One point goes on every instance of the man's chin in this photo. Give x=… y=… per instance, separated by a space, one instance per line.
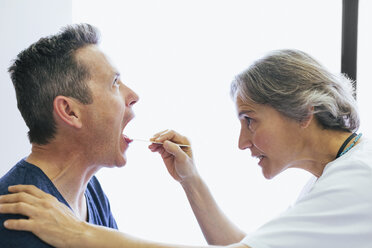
x=122 y=161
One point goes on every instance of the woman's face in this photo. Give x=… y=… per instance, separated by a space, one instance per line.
x=271 y=137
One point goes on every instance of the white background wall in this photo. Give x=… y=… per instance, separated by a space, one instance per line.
x=180 y=57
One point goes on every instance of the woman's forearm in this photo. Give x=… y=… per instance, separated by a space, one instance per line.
x=93 y=236
x=216 y=227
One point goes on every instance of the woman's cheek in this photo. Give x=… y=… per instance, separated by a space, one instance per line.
x=263 y=141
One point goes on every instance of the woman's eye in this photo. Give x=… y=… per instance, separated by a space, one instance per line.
x=248 y=120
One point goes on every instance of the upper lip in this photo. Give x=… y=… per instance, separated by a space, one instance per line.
x=257 y=155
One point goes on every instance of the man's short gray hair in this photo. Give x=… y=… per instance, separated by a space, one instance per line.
x=49 y=68
x=296 y=85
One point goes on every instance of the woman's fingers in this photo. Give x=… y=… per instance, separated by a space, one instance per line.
x=18 y=208
x=30 y=189
x=18 y=197
x=160 y=133
x=49 y=219
x=170 y=135
x=155 y=147
x=28 y=200
x=170 y=149
x=177 y=159
x=174 y=149
x=20 y=224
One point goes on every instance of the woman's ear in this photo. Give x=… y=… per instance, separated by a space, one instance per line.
x=68 y=111
x=306 y=122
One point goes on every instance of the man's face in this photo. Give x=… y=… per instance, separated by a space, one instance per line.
x=105 y=119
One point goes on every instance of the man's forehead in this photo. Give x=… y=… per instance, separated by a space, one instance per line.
x=88 y=50
x=94 y=59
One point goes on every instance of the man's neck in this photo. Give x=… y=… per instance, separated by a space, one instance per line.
x=69 y=171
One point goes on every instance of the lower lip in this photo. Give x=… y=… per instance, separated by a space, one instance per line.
x=260 y=162
x=126 y=139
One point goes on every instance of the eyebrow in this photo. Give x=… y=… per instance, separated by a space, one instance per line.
x=245 y=112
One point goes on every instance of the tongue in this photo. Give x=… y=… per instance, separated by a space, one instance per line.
x=127 y=139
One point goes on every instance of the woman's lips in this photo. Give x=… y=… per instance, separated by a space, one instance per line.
x=260 y=162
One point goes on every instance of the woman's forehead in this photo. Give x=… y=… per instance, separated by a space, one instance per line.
x=244 y=102
x=244 y=105
x=248 y=107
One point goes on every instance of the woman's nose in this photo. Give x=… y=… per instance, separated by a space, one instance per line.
x=245 y=139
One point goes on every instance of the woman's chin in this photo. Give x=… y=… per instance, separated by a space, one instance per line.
x=268 y=174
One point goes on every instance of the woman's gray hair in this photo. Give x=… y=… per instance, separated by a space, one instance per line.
x=297 y=86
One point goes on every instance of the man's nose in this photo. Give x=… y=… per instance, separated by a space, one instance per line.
x=245 y=139
x=130 y=96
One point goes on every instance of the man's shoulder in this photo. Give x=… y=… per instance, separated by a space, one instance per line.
x=21 y=173
x=96 y=196
x=15 y=175
x=18 y=174
x=24 y=173
x=99 y=205
x=11 y=239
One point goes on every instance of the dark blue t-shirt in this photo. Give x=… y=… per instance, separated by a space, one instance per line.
x=98 y=206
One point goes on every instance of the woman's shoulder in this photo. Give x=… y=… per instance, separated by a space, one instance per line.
x=351 y=170
x=357 y=158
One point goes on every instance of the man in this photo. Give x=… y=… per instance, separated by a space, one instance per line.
x=76 y=109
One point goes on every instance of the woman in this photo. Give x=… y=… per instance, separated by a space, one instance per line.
x=293 y=113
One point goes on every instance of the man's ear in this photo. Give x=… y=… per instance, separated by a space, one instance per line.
x=68 y=110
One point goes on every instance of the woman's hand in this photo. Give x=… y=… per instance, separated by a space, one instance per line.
x=178 y=160
x=49 y=219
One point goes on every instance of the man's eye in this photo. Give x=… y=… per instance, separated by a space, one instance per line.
x=116 y=82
